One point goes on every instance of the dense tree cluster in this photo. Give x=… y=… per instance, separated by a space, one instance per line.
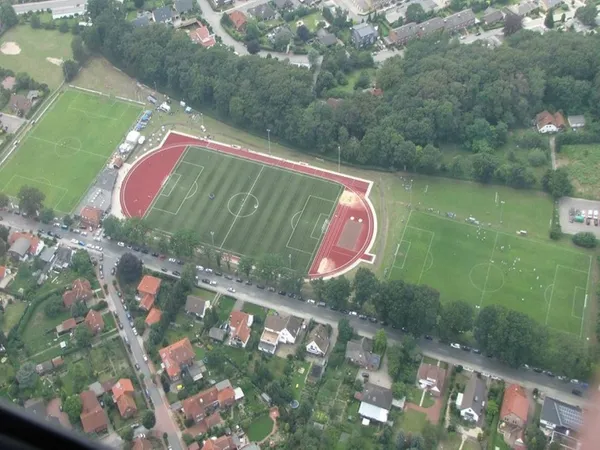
x=440 y=92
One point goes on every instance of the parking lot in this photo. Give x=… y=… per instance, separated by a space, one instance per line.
x=13 y=123
x=566 y=204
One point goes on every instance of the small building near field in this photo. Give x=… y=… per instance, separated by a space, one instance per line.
x=148 y=290
x=196 y=306
x=576 y=122
x=99 y=196
x=474 y=399
x=19 y=104
x=91 y=217
x=153 y=316
x=279 y=329
x=239 y=326
x=9 y=83
x=561 y=417
x=513 y=413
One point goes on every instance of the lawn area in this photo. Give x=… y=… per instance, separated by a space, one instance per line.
x=184 y=326
x=353 y=77
x=67 y=148
x=484 y=266
x=109 y=322
x=583 y=164
x=254 y=208
x=36 y=46
x=301 y=371
x=412 y=421
x=40 y=333
x=12 y=314
x=255 y=310
x=260 y=428
x=311 y=21
x=203 y=293
x=225 y=306
x=200 y=352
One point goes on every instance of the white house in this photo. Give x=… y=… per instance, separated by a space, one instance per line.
x=279 y=329
x=318 y=341
x=549 y=123
x=473 y=399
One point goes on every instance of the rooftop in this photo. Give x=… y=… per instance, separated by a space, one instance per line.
x=176 y=354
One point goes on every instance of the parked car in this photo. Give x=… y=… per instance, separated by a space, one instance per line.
x=322 y=304
x=113 y=270
x=455 y=345
x=205 y=280
x=311 y=301
x=576 y=392
x=466 y=348
x=271 y=289
x=428 y=337
x=239 y=280
x=164 y=269
x=208 y=270
x=477 y=351
x=260 y=286
x=137 y=366
x=200 y=268
x=213 y=283
x=121 y=244
x=176 y=273
x=282 y=293
x=248 y=283
x=228 y=277
x=373 y=319
x=134 y=331
x=362 y=317
x=218 y=274
x=230 y=289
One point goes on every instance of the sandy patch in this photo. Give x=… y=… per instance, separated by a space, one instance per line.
x=326 y=265
x=349 y=198
x=10 y=48
x=56 y=61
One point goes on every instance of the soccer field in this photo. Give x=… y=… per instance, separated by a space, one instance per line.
x=483 y=266
x=68 y=146
x=244 y=207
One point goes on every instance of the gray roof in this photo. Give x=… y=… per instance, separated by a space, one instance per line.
x=36 y=406
x=364 y=29
x=377 y=396
x=182 y=6
x=561 y=414
x=44 y=367
x=459 y=19
x=432 y=25
x=524 y=8
x=223 y=385
x=492 y=15
x=217 y=334
x=195 y=305
x=20 y=246
x=100 y=195
x=475 y=395
x=47 y=254
x=283 y=4
x=326 y=38
x=162 y=14
x=96 y=388
x=63 y=255
x=262 y=11
x=141 y=21
x=576 y=121
x=361 y=351
x=320 y=336
x=406 y=31
x=279 y=323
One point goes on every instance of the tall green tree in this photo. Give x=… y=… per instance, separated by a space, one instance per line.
x=365 y=285
x=549 y=20
x=8 y=16
x=30 y=200
x=456 y=318
x=337 y=292
x=246 y=265
x=70 y=69
x=72 y=406
x=129 y=269
x=587 y=14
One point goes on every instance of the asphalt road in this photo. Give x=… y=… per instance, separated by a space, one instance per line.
x=52 y=4
x=551 y=386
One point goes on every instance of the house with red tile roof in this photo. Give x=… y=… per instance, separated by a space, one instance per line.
x=513 y=413
x=202 y=406
x=93 y=418
x=22 y=244
x=80 y=291
x=550 y=123
x=90 y=217
x=177 y=356
x=148 y=290
x=9 y=83
x=238 y=19
x=141 y=444
x=94 y=321
x=221 y=443
x=240 y=324
x=153 y=316
x=202 y=36
x=123 y=397
x=66 y=326
x=431 y=378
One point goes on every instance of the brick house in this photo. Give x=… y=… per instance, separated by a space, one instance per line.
x=80 y=291
x=239 y=21
x=202 y=405
x=90 y=217
x=94 y=321
x=148 y=290
x=123 y=396
x=176 y=357
x=513 y=413
x=153 y=316
x=431 y=378
x=93 y=418
x=239 y=324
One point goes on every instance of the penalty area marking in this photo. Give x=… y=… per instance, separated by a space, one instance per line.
x=173 y=185
x=574 y=300
x=316 y=225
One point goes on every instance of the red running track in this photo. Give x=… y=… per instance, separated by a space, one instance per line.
x=145 y=180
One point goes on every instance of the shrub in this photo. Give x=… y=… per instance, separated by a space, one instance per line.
x=585 y=239
x=537 y=157
x=102 y=304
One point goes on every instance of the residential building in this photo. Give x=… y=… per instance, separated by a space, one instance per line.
x=459 y=20
x=549 y=123
x=360 y=352
x=93 y=418
x=223 y=3
x=318 y=340
x=22 y=244
x=153 y=316
x=561 y=417
x=91 y=217
x=375 y=402
x=473 y=399
x=44 y=367
x=19 y=249
x=176 y=357
x=284 y=4
x=262 y=12
x=409 y=31
x=148 y=290
x=221 y=443
x=492 y=15
x=239 y=327
x=164 y=14
x=238 y=19
x=63 y=257
x=123 y=397
x=80 y=291
x=576 y=122
x=550 y=4
x=183 y=6
x=196 y=306
x=66 y=327
x=524 y=8
x=94 y=321
x=513 y=413
x=279 y=329
x=141 y=444
x=47 y=255
x=141 y=21
x=217 y=334
x=202 y=35
x=19 y=104
x=202 y=405
x=403 y=34
x=432 y=378
x=326 y=38
x=364 y=35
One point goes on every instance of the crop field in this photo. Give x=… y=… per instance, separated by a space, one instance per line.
x=66 y=149
x=245 y=207
x=484 y=266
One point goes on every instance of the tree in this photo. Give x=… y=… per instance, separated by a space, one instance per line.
x=415 y=13
x=47 y=215
x=72 y=406
x=365 y=285
x=26 y=376
x=512 y=24
x=80 y=53
x=138 y=4
x=557 y=183
x=535 y=439
x=345 y=330
x=245 y=265
x=491 y=410
x=549 y=20
x=585 y=239
x=67 y=220
x=303 y=33
x=313 y=57
x=455 y=318
x=127 y=434
x=83 y=336
x=188 y=276
x=63 y=27
x=4 y=232
x=30 y=200
x=184 y=243
x=140 y=325
x=70 y=69
x=129 y=269
x=253 y=46
x=399 y=389
x=82 y=265
x=4 y=200
x=337 y=292
x=268 y=267
x=149 y=420
x=587 y=14
x=8 y=16
x=53 y=307
x=379 y=341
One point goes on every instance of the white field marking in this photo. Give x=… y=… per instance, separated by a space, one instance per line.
x=172 y=187
x=187 y=195
x=586 y=296
x=483 y=291
x=242 y=206
x=405 y=256
x=574 y=299
x=316 y=224
x=401 y=239
x=66 y=146
x=46 y=183
x=551 y=294
x=426 y=254
x=300 y=218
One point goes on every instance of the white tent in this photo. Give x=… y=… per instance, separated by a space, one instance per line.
x=132 y=137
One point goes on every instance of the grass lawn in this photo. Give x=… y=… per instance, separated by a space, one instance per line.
x=40 y=333
x=255 y=310
x=428 y=360
x=6 y=372
x=200 y=352
x=311 y=21
x=452 y=442
x=67 y=148
x=256 y=208
x=12 y=314
x=299 y=378
x=583 y=164
x=36 y=46
x=474 y=445
x=428 y=401
x=225 y=307
x=203 y=293
x=353 y=78
x=260 y=428
x=485 y=266
x=184 y=326
x=412 y=421
x=109 y=322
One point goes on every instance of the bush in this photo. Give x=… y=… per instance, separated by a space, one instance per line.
x=537 y=157
x=102 y=304
x=585 y=239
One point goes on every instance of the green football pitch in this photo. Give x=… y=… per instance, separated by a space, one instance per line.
x=254 y=209
x=68 y=146
x=483 y=266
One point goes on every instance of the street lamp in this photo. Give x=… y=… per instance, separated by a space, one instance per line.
x=202 y=119
x=290 y=256
x=212 y=235
x=339 y=153
x=501 y=209
x=269 y=139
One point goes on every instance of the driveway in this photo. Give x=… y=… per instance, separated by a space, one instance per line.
x=53 y=409
x=12 y=122
x=380 y=377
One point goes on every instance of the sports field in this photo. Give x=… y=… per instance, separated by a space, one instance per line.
x=245 y=207
x=68 y=146
x=483 y=266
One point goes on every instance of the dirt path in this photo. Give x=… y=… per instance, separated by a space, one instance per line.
x=553 y=151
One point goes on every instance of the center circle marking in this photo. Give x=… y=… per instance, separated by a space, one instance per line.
x=245 y=209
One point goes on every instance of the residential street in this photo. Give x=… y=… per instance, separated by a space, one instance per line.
x=551 y=386
x=43 y=6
